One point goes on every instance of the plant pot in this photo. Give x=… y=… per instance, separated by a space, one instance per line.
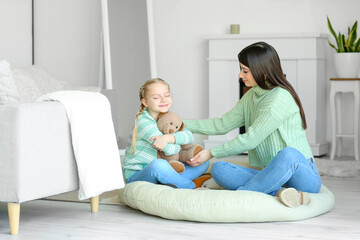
x=347 y=65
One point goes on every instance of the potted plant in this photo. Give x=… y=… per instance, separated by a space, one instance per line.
x=347 y=57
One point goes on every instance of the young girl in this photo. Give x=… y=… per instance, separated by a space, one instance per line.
x=141 y=163
x=275 y=138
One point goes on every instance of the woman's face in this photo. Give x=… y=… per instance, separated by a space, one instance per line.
x=246 y=76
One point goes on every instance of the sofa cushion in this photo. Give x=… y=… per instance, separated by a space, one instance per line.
x=8 y=91
x=33 y=81
x=43 y=80
x=26 y=86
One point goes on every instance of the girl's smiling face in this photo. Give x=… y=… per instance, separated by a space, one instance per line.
x=157 y=99
x=246 y=76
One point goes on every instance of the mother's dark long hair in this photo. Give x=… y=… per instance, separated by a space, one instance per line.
x=264 y=64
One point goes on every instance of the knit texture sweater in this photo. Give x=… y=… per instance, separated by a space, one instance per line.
x=272 y=122
x=145 y=153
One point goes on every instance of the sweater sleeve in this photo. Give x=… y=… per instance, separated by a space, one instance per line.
x=217 y=126
x=147 y=129
x=183 y=137
x=263 y=126
x=271 y=116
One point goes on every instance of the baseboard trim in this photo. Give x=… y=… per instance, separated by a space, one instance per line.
x=319 y=149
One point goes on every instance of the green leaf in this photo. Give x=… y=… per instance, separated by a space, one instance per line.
x=354 y=27
x=332 y=31
x=341 y=43
x=332 y=45
x=351 y=39
x=347 y=48
x=352 y=35
x=356 y=47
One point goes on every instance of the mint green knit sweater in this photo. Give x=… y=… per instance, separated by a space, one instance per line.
x=272 y=121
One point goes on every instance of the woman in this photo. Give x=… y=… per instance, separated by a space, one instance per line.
x=275 y=139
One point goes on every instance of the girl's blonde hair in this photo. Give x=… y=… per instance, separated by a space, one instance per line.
x=142 y=94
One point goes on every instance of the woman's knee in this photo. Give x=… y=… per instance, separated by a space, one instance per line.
x=290 y=153
x=289 y=150
x=218 y=168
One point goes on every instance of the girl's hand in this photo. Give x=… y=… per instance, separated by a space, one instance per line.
x=161 y=141
x=200 y=158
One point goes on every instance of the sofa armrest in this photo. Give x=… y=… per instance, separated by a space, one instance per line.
x=36 y=156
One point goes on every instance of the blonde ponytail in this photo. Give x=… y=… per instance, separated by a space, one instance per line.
x=142 y=108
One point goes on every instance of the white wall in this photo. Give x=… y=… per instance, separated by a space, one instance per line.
x=130 y=58
x=182 y=25
x=15 y=25
x=67 y=39
x=67 y=44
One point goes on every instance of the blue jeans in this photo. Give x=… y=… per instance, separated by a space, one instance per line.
x=289 y=168
x=160 y=171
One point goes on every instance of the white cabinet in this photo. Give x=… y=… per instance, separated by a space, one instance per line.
x=303 y=59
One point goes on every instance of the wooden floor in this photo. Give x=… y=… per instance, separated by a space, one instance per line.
x=51 y=220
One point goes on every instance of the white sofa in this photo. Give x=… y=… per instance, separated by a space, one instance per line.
x=36 y=155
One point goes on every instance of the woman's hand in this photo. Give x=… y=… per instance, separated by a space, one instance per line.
x=161 y=141
x=200 y=158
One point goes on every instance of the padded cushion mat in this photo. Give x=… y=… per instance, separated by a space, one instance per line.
x=219 y=205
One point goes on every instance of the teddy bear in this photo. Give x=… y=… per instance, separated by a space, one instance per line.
x=169 y=123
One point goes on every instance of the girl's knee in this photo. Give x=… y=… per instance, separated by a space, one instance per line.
x=206 y=165
x=159 y=164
